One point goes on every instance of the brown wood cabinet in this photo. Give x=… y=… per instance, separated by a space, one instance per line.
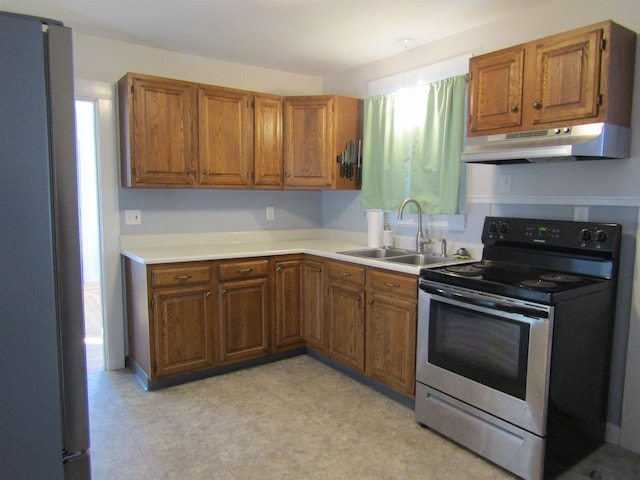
x=313 y=293
x=317 y=130
x=391 y=316
x=346 y=314
x=190 y=317
x=177 y=134
x=267 y=142
x=158 y=136
x=225 y=137
x=581 y=76
x=171 y=318
x=288 y=328
x=243 y=309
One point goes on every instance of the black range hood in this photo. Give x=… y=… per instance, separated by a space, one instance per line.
x=594 y=141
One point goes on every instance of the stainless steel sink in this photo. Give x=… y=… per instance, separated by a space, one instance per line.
x=380 y=253
x=421 y=259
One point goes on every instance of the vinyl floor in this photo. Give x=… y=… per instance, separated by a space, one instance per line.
x=293 y=419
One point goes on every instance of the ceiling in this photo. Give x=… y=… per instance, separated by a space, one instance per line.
x=310 y=37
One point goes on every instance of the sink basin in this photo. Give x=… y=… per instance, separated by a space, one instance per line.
x=421 y=259
x=381 y=253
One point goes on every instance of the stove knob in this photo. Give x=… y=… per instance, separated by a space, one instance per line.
x=493 y=228
x=504 y=228
x=601 y=236
x=585 y=235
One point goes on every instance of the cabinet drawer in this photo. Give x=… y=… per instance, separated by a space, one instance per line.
x=347 y=272
x=393 y=283
x=240 y=270
x=180 y=275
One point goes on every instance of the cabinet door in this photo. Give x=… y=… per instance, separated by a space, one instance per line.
x=313 y=304
x=182 y=330
x=288 y=328
x=225 y=128
x=495 y=90
x=243 y=317
x=567 y=77
x=345 y=311
x=308 y=141
x=267 y=142
x=158 y=137
x=390 y=341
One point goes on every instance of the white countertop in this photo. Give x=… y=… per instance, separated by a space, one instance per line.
x=153 y=249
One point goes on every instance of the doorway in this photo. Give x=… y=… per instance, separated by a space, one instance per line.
x=89 y=209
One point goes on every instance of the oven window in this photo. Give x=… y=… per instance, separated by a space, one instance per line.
x=487 y=349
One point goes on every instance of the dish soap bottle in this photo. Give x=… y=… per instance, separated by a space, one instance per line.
x=387 y=236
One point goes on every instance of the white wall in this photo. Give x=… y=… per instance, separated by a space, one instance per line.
x=174 y=211
x=609 y=188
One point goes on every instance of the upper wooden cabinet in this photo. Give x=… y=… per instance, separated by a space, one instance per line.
x=581 y=76
x=158 y=135
x=225 y=140
x=317 y=129
x=182 y=134
x=267 y=141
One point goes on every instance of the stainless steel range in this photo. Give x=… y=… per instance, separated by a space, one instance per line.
x=514 y=350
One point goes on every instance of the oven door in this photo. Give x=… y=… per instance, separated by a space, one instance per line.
x=488 y=351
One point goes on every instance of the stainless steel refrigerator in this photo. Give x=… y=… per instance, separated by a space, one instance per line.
x=44 y=426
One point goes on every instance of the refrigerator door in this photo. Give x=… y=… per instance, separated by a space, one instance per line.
x=43 y=405
x=68 y=274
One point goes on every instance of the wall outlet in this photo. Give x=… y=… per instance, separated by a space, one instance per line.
x=270 y=213
x=132 y=217
x=506 y=181
x=581 y=214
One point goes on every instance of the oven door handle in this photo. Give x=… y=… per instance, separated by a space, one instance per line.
x=529 y=312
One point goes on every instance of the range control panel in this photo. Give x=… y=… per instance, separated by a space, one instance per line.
x=551 y=233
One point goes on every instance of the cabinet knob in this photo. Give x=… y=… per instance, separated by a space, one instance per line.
x=537 y=105
x=513 y=108
x=357 y=298
x=279 y=269
x=370 y=302
x=319 y=270
x=288 y=174
x=223 y=292
x=207 y=295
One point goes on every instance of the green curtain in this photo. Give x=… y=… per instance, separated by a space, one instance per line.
x=412 y=144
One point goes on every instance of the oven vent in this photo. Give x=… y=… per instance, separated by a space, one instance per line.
x=593 y=141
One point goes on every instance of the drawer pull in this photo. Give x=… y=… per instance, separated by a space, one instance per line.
x=245 y=270
x=180 y=278
x=345 y=274
x=390 y=284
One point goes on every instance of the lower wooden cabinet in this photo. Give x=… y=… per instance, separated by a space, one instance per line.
x=244 y=309
x=288 y=325
x=313 y=293
x=346 y=314
x=171 y=318
x=183 y=330
x=189 y=317
x=391 y=329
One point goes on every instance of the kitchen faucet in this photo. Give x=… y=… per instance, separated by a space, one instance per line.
x=421 y=239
